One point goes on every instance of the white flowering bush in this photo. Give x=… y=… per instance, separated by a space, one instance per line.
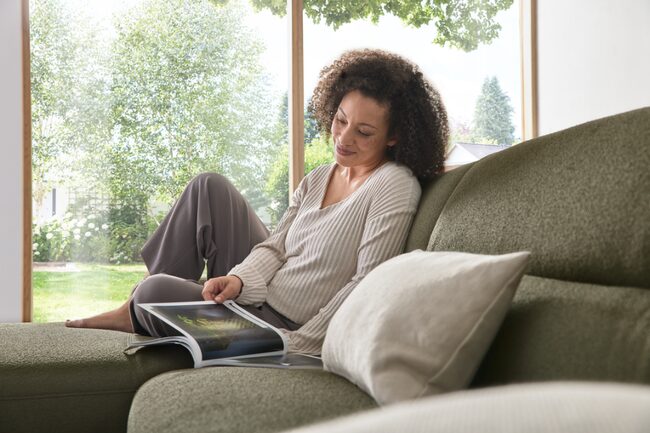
x=73 y=238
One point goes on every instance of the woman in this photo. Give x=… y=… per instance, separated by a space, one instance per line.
x=389 y=127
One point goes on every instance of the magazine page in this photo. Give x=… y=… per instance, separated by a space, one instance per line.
x=290 y=360
x=218 y=331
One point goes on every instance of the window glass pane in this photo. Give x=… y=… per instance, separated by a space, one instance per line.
x=481 y=88
x=131 y=100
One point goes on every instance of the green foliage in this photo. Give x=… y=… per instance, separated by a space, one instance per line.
x=68 y=86
x=189 y=96
x=493 y=114
x=462 y=133
x=317 y=152
x=463 y=24
x=74 y=237
x=281 y=132
x=177 y=91
x=53 y=53
x=311 y=128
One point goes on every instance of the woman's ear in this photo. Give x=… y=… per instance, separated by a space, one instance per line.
x=392 y=142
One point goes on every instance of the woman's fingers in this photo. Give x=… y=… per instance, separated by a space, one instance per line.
x=225 y=294
x=221 y=289
x=230 y=290
x=210 y=289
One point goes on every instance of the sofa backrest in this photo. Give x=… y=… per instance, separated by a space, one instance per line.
x=579 y=200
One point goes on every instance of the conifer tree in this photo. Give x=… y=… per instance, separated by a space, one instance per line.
x=493 y=114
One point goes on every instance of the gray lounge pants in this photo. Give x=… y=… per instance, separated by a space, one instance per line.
x=210 y=224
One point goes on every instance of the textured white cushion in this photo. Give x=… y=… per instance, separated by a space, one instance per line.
x=555 y=407
x=420 y=323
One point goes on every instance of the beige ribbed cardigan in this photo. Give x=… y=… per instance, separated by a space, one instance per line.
x=316 y=257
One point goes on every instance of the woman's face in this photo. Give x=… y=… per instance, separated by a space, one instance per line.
x=360 y=131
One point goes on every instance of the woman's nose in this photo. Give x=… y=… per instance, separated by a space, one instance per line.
x=346 y=136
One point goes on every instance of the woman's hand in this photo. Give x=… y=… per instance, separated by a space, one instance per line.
x=221 y=289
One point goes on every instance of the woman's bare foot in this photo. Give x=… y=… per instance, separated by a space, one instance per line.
x=116 y=320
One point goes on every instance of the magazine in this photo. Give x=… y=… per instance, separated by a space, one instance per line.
x=223 y=334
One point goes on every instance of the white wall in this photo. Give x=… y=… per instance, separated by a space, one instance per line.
x=10 y=161
x=593 y=60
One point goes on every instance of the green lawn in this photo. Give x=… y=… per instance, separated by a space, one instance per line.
x=88 y=289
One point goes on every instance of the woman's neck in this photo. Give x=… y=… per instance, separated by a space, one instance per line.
x=358 y=173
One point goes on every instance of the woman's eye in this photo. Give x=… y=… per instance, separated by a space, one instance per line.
x=338 y=119
x=365 y=134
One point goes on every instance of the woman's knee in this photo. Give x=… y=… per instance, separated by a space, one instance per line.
x=214 y=181
x=166 y=288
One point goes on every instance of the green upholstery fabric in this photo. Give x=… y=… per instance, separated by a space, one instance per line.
x=233 y=400
x=435 y=194
x=53 y=378
x=559 y=330
x=577 y=199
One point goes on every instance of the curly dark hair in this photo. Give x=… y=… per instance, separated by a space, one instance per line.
x=417 y=115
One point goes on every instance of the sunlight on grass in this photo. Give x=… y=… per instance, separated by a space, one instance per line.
x=86 y=290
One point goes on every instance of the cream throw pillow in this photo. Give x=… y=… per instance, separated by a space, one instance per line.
x=420 y=323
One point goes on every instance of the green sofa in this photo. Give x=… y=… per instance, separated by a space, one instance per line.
x=579 y=200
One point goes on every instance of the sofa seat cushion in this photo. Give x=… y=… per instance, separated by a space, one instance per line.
x=54 y=378
x=239 y=399
x=531 y=408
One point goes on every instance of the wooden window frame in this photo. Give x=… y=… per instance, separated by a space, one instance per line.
x=528 y=62
x=296 y=97
x=27 y=167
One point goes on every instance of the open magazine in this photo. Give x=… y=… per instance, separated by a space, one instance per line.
x=223 y=334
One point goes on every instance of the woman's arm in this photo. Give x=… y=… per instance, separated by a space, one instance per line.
x=267 y=257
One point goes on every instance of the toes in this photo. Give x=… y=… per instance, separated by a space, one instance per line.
x=74 y=323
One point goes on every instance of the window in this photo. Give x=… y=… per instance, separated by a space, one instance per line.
x=481 y=88
x=132 y=98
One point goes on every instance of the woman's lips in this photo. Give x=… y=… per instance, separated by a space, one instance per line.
x=342 y=151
